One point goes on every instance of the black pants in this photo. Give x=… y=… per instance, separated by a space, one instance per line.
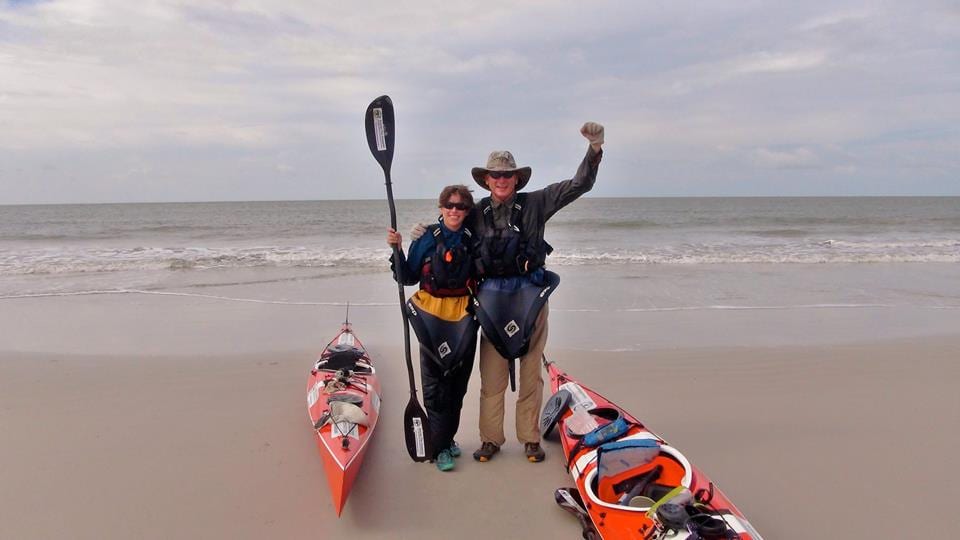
x=443 y=395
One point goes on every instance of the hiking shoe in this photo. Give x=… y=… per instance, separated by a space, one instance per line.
x=445 y=461
x=486 y=452
x=454 y=449
x=534 y=453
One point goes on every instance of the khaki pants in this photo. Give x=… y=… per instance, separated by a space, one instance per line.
x=494 y=379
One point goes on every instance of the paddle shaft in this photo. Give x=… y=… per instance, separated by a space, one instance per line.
x=397 y=261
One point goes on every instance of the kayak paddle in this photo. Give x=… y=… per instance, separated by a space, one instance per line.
x=380 y=123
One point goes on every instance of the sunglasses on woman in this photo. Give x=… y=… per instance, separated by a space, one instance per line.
x=496 y=175
x=463 y=207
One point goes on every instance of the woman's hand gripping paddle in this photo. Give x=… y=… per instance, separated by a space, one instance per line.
x=380 y=124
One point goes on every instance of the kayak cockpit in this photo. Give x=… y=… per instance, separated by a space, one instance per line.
x=345 y=357
x=635 y=473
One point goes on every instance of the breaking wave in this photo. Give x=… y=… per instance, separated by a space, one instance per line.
x=102 y=260
x=181 y=259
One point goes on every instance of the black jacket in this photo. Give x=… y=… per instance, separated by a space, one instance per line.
x=541 y=204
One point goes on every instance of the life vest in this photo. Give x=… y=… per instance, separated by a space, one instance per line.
x=447 y=272
x=506 y=252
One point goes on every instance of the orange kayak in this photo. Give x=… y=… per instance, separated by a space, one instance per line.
x=343 y=401
x=629 y=482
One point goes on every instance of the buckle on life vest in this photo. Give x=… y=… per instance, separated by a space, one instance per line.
x=523 y=263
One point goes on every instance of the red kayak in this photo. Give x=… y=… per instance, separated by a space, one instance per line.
x=343 y=401
x=630 y=482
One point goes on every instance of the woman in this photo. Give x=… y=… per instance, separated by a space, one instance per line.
x=441 y=262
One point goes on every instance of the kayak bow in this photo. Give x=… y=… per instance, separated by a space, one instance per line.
x=343 y=401
x=630 y=482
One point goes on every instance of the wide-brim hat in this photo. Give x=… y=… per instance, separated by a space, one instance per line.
x=501 y=160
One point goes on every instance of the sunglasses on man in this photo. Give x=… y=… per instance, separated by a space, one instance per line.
x=463 y=207
x=496 y=175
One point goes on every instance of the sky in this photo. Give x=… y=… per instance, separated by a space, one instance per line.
x=150 y=101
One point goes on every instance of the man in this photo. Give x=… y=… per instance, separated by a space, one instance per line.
x=511 y=300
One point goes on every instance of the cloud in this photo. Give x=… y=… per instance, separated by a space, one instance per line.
x=834 y=19
x=796 y=158
x=717 y=91
x=765 y=62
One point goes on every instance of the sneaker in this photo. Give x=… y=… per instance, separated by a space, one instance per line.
x=534 y=453
x=485 y=452
x=445 y=461
x=454 y=449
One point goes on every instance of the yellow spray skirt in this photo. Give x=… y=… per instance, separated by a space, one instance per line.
x=450 y=309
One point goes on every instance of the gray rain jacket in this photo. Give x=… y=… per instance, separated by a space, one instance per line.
x=540 y=205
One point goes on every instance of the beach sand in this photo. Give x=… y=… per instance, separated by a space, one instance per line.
x=139 y=416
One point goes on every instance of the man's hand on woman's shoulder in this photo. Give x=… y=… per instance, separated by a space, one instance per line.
x=417 y=231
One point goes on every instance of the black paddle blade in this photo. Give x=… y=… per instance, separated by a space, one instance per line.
x=380 y=125
x=569 y=499
x=416 y=431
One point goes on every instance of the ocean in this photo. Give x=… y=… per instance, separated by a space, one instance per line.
x=113 y=248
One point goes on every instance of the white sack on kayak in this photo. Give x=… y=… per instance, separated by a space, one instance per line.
x=341 y=411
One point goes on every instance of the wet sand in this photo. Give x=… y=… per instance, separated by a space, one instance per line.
x=170 y=417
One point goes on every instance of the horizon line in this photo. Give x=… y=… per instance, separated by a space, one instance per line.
x=224 y=201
